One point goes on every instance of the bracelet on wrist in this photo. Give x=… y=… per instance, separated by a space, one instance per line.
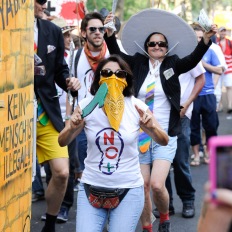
x=67 y=117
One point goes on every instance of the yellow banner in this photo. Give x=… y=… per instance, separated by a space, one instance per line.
x=223 y=19
x=16 y=133
x=16 y=113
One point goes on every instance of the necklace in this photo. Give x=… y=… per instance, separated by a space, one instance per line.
x=154 y=71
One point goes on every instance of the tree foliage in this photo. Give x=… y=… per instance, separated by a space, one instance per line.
x=210 y=6
x=130 y=6
x=127 y=8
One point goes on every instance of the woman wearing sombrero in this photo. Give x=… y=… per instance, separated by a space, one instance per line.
x=159 y=44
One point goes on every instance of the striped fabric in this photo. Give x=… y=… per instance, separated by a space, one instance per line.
x=144 y=139
x=150 y=96
x=41 y=114
x=227 y=51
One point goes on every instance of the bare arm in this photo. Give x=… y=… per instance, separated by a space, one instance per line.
x=213 y=69
x=216 y=79
x=73 y=127
x=199 y=83
x=150 y=125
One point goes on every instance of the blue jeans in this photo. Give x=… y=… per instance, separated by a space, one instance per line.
x=82 y=148
x=182 y=174
x=158 y=152
x=123 y=218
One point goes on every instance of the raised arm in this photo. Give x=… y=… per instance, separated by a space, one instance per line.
x=112 y=44
x=189 y=62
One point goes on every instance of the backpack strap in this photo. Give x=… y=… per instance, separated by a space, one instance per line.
x=77 y=57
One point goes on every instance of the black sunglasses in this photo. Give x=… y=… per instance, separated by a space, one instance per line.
x=109 y=73
x=94 y=29
x=161 y=44
x=41 y=2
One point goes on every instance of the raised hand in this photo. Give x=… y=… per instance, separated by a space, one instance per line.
x=109 y=18
x=145 y=117
x=209 y=34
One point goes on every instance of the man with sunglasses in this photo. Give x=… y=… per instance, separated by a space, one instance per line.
x=52 y=68
x=94 y=50
x=161 y=72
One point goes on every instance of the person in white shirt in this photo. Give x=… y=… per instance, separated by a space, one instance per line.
x=95 y=49
x=112 y=165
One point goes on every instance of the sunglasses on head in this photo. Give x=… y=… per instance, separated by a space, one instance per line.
x=94 y=29
x=41 y=2
x=109 y=73
x=161 y=44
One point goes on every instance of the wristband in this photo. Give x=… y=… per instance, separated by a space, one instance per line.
x=67 y=117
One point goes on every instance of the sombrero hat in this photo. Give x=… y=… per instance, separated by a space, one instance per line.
x=176 y=30
x=60 y=22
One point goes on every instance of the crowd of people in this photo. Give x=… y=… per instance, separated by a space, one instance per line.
x=118 y=155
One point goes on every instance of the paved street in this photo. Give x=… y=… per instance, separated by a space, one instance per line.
x=179 y=224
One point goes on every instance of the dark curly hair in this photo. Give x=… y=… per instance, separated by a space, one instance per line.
x=148 y=39
x=129 y=90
